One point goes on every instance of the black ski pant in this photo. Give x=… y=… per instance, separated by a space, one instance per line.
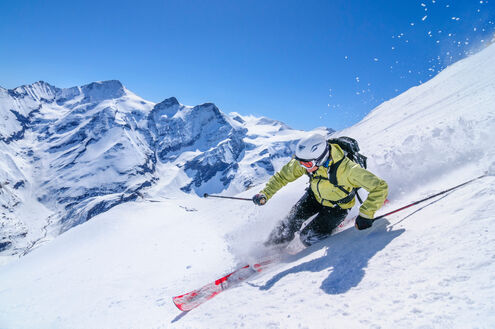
x=326 y=220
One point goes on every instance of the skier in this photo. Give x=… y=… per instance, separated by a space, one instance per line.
x=330 y=203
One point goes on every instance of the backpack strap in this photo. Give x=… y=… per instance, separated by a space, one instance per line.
x=346 y=199
x=332 y=177
x=358 y=197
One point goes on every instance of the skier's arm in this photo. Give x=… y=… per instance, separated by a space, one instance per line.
x=289 y=173
x=377 y=188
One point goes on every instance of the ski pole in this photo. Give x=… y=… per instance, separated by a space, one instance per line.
x=206 y=195
x=430 y=197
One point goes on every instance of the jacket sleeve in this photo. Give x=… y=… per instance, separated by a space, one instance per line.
x=289 y=173
x=377 y=188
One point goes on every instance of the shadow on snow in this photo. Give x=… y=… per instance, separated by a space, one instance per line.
x=348 y=254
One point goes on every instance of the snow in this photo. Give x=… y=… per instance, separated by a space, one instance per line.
x=431 y=266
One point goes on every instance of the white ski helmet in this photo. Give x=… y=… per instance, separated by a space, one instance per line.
x=313 y=147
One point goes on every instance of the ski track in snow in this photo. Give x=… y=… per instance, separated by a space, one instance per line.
x=430 y=266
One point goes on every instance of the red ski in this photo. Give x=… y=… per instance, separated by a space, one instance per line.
x=197 y=297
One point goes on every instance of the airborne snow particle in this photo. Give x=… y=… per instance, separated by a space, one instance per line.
x=424 y=18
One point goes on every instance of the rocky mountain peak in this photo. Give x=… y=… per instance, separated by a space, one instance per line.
x=37 y=91
x=103 y=90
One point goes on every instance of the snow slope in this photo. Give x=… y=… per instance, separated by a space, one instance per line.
x=431 y=266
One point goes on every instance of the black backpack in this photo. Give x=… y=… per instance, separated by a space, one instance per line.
x=351 y=150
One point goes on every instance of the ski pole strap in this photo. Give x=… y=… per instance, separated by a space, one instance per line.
x=430 y=197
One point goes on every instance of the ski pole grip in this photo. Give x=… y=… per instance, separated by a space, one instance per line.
x=205 y=195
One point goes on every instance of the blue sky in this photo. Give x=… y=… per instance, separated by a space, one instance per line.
x=307 y=63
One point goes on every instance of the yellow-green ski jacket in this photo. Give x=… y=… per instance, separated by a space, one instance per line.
x=349 y=175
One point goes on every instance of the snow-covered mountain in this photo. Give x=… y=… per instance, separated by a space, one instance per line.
x=430 y=266
x=70 y=154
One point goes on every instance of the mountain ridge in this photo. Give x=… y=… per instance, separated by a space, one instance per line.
x=88 y=148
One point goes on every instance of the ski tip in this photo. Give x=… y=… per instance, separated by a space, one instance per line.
x=180 y=306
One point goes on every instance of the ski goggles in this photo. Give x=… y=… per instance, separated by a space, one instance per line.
x=307 y=164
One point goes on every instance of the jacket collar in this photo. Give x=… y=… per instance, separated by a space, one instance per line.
x=336 y=154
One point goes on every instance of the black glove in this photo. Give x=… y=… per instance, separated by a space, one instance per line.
x=363 y=223
x=259 y=199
